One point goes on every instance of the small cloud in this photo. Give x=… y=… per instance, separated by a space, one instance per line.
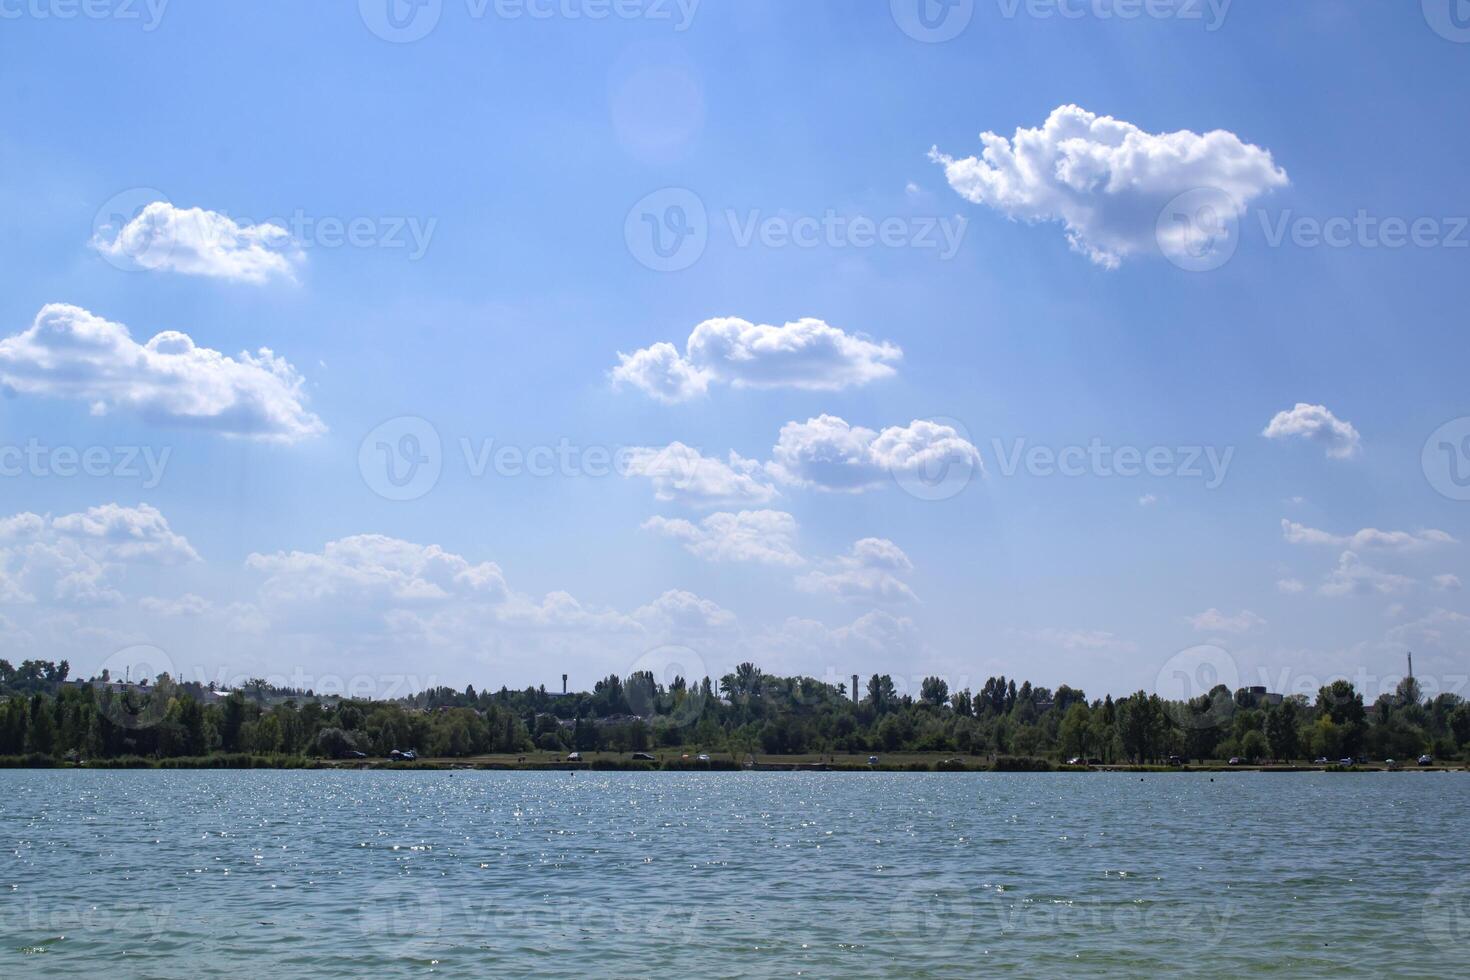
x=1147 y=500
x=1214 y=621
x=1447 y=583
x=1353 y=576
x=1316 y=424
x=1289 y=586
x=807 y=354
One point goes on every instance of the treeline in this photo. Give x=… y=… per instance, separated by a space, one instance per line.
x=747 y=713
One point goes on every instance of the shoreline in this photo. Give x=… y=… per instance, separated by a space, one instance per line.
x=623 y=763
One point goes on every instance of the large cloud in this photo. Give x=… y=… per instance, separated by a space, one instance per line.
x=1104 y=179
x=73 y=559
x=827 y=453
x=68 y=352
x=1316 y=424
x=868 y=573
x=196 y=242
x=679 y=472
x=765 y=536
x=807 y=354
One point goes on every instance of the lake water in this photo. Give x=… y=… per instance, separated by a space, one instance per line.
x=348 y=874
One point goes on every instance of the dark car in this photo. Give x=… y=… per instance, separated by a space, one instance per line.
x=642 y=757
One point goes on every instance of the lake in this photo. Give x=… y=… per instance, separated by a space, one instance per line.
x=346 y=874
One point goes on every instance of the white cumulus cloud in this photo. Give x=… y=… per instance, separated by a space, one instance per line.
x=765 y=536
x=870 y=572
x=806 y=354
x=1316 y=424
x=68 y=352
x=1104 y=179
x=196 y=242
x=74 y=559
x=680 y=472
x=826 y=453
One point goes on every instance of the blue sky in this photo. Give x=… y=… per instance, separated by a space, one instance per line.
x=516 y=148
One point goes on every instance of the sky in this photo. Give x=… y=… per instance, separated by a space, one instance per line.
x=380 y=345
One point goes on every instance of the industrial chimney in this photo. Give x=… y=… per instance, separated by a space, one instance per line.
x=563 y=683
x=854 y=688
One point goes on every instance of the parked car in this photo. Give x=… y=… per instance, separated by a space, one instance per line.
x=872 y=760
x=1345 y=762
x=1321 y=761
x=354 y=754
x=1426 y=760
x=1235 y=760
x=704 y=757
x=1174 y=760
x=642 y=757
x=403 y=756
x=1076 y=761
x=574 y=757
x=1392 y=764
